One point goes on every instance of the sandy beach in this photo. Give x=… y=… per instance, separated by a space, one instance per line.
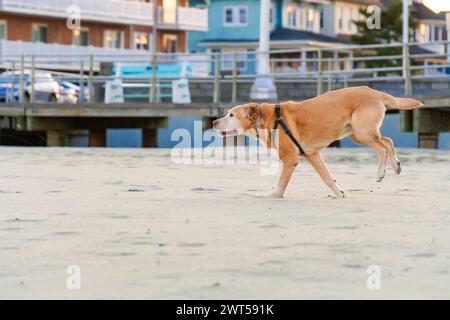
x=140 y=226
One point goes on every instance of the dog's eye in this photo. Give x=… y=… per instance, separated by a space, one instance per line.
x=231 y=115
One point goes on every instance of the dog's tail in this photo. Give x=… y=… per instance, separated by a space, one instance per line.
x=399 y=103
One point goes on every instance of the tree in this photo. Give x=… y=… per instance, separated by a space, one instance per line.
x=391 y=31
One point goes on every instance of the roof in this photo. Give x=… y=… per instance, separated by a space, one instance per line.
x=284 y=34
x=419 y=50
x=421 y=11
x=367 y=2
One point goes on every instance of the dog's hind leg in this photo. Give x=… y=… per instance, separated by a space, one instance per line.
x=375 y=141
x=392 y=154
x=366 y=130
x=319 y=165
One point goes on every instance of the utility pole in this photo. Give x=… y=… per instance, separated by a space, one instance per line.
x=406 y=60
x=447 y=20
x=154 y=52
x=264 y=88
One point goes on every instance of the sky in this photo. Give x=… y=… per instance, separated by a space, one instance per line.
x=438 y=5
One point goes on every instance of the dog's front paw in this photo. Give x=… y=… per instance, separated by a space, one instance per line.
x=398 y=170
x=341 y=194
x=338 y=195
x=275 y=195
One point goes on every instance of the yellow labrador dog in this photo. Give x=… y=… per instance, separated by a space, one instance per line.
x=304 y=128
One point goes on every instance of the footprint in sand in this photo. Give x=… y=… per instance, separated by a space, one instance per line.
x=345 y=227
x=352 y=266
x=23 y=220
x=7 y=191
x=65 y=233
x=11 y=229
x=115 y=216
x=142 y=188
x=113 y=182
x=272 y=226
x=191 y=244
x=9 y=248
x=423 y=255
x=142 y=243
x=205 y=190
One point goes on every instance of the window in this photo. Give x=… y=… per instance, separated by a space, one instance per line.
x=235 y=16
x=430 y=33
x=291 y=17
x=113 y=39
x=272 y=18
x=310 y=20
x=300 y=18
x=350 y=22
x=142 y=41
x=341 y=19
x=80 y=37
x=242 y=16
x=322 y=19
x=170 y=43
x=226 y=63
x=39 y=33
x=228 y=15
x=438 y=34
x=3 y=30
x=169 y=11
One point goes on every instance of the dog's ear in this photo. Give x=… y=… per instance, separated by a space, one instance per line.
x=252 y=111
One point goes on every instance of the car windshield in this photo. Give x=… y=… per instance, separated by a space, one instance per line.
x=8 y=78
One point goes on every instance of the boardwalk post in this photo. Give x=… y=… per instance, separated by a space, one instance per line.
x=329 y=82
x=13 y=66
x=33 y=80
x=21 y=79
x=345 y=80
x=91 y=78
x=81 y=94
x=407 y=70
x=335 y=60
x=152 y=97
x=405 y=38
x=303 y=61
x=406 y=117
x=155 y=14
x=216 y=78
x=234 y=85
x=319 y=71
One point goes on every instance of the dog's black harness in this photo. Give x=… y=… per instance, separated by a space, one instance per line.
x=279 y=121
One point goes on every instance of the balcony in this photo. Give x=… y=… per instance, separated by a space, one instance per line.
x=113 y=11
x=122 y=12
x=183 y=18
x=64 y=57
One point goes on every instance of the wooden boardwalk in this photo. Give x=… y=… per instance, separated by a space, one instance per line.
x=58 y=119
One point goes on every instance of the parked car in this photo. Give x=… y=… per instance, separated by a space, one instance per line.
x=70 y=91
x=46 y=88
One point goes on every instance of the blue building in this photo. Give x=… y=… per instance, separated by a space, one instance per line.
x=234 y=27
